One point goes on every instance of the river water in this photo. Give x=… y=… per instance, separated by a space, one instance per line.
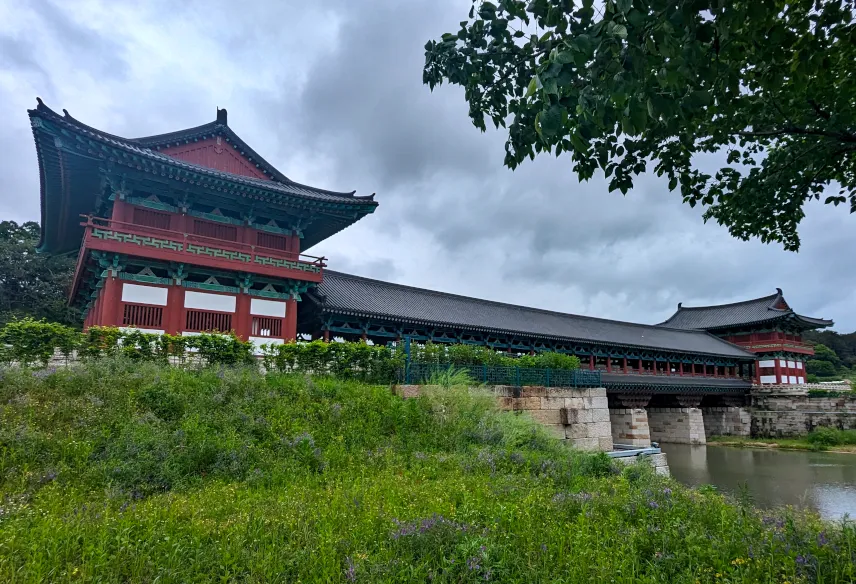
x=823 y=481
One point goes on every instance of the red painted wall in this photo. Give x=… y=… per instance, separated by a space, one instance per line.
x=215 y=153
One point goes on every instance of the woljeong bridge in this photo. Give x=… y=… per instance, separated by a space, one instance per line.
x=193 y=231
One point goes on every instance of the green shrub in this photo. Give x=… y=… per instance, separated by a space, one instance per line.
x=29 y=342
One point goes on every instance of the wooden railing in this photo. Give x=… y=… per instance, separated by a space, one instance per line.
x=199 y=245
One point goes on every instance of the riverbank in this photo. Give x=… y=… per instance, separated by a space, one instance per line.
x=121 y=471
x=801 y=443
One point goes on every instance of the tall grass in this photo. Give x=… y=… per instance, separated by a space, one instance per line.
x=128 y=472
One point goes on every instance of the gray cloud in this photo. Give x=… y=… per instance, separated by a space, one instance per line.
x=331 y=93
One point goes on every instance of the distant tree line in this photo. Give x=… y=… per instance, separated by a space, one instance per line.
x=834 y=355
x=33 y=284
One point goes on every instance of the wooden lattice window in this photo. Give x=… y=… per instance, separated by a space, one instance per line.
x=142 y=315
x=151 y=218
x=198 y=320
x=266 y=327
x=271 y=241
x=215 y=230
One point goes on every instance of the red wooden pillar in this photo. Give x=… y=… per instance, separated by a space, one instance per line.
x=111 y=304
x=591 y=362
x=624 y=364
x=641 y=371
x=326 y=336
x=290 y=329
x=668 y=367
x=173 y=318
x=777 y=365
x=692 y=369
x=681 y=368
x=608 y=364
x=243 y=319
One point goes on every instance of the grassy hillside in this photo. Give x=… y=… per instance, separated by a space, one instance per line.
x=127 y=472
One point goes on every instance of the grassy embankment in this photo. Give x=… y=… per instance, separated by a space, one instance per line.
x=820 y=439
x=121 y=472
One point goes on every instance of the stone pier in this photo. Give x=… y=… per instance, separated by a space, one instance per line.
x=629 y=420
x=681 y=425
x=729 y=417
x=579 y=416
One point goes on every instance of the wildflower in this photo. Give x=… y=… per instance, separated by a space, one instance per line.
x=801 y=560
x=667 y=491
x=351 y=571
x=419 y=455
x=821 y=539
x=653 y=505
x=473 y=564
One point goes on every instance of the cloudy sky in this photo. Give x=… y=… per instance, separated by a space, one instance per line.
x=330 y=92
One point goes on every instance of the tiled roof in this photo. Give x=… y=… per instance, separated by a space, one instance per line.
x=141 y=146
x=755 y=311
x=353 y=295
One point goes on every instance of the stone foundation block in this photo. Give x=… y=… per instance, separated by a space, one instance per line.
x=533 y=391
x=552 y=403
x=547 y=417
x=586 y=443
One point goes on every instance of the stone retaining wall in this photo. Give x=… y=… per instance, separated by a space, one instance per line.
x=658 y=461
x=630 y=426
x=579 y=416
x=785 y=412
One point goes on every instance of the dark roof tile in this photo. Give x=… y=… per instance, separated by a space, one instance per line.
x=759 y=310
x=346 y=294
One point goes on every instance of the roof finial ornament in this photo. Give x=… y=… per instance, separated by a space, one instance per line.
x=779 y=290
x=679 y=305
x=222 y=116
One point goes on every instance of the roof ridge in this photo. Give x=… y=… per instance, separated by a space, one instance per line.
x=770 y=297
x=131 y=143
x=517 y=306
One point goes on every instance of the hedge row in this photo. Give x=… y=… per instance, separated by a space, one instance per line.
x=31 y=342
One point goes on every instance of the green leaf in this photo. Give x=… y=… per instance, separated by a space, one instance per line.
x=620 y=31
x=533 y=87
x=552 y=120
x=564 y=57
x=624 y=5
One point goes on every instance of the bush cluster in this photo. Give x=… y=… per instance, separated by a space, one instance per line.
x=825 y=436
x=35 y=342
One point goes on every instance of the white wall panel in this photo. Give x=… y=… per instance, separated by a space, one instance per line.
x=767 y=363
x=259 y=341
x=800 y=380
x=261 y=307
x=792 y=364
x=148 y=331
x=205 y=301
x=792 y=379
x=143 y=294
x=768 y=379
x=782 y=363
x=799 y=364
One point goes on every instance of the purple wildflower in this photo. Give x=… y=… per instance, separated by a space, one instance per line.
x=667 y=491
x=351 y=571
x=821 y=539
x=653 y=505
x=543 y=547
x=801 y=560
x=473 y=564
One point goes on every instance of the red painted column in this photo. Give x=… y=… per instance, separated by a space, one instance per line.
x=692 y=369
x=681 y=369
x=668 y=367
x=624 y=364
x=290 y=324
x=326 y=336
x=173 y=321
x=243 y=319
x=778 y=370
x=641 y=371
x=112 y=302
x=591 y=362
x=609 y=364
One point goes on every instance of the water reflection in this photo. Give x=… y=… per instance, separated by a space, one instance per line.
x=820 y=480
